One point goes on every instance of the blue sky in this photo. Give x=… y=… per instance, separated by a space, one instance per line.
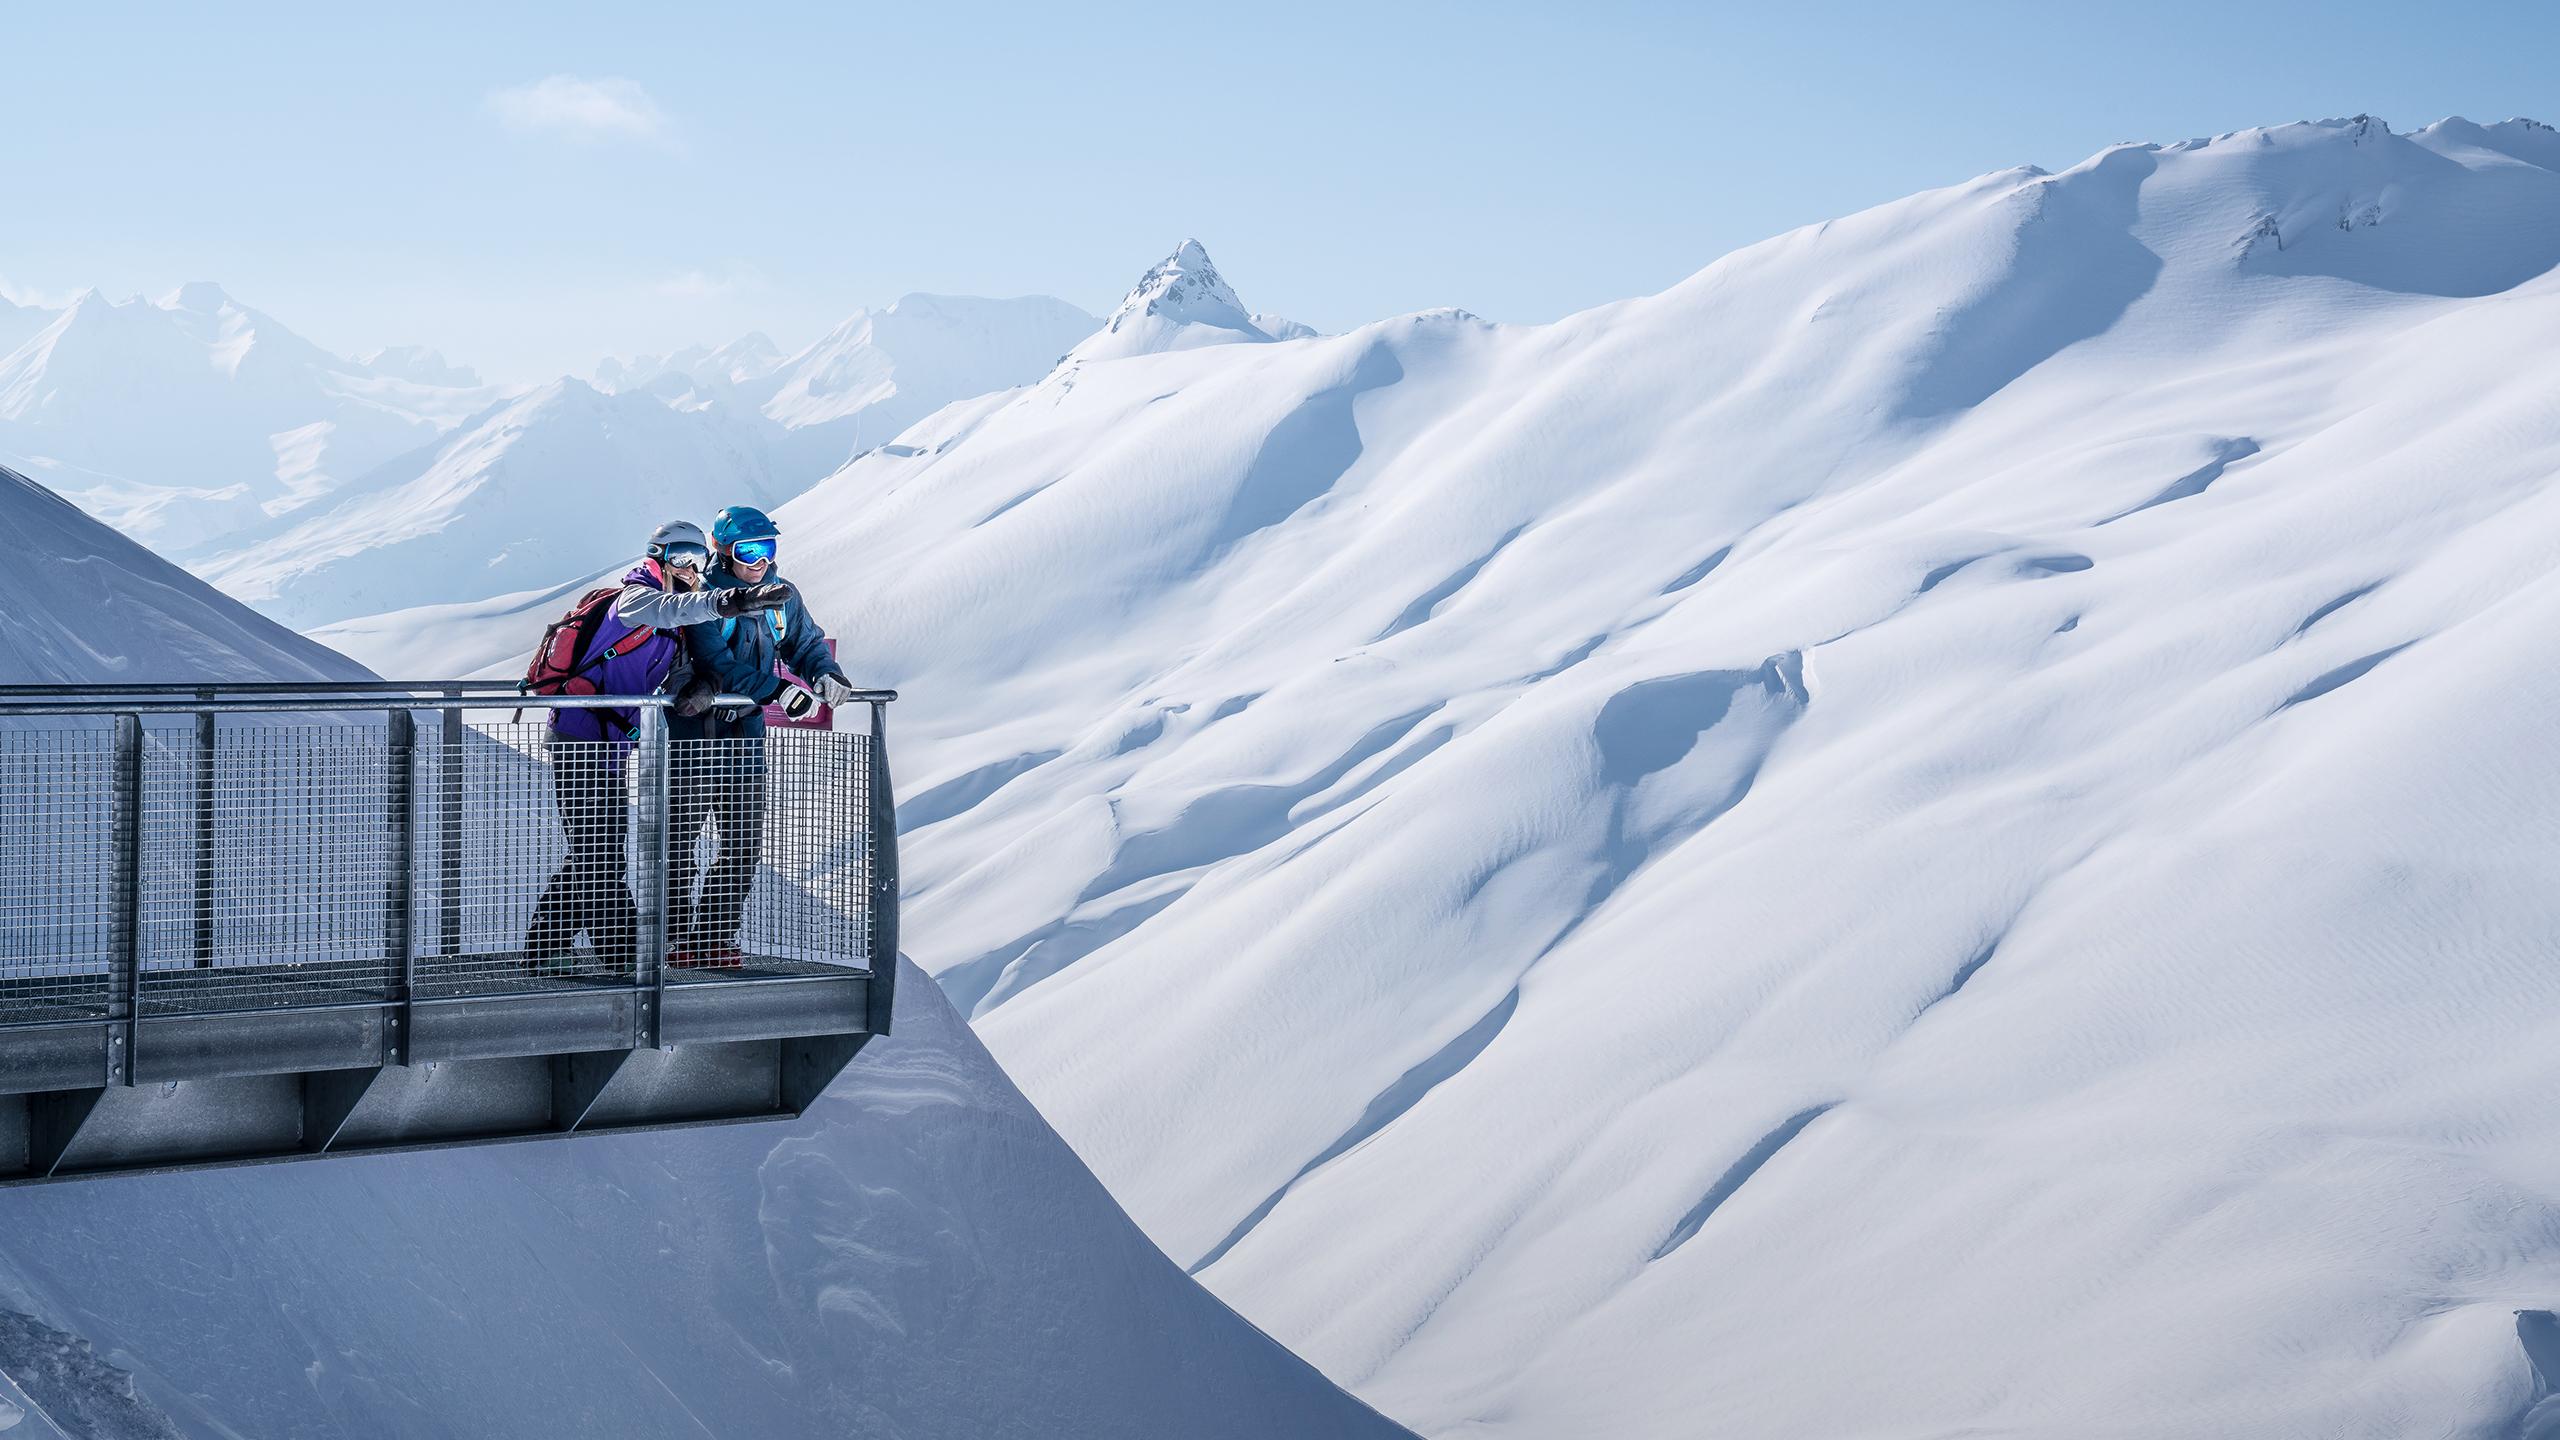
x=696 y=171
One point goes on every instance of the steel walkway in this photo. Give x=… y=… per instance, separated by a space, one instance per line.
x=250 y=923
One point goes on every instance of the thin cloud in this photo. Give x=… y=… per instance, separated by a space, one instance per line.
x=701 y=285
x=576 y=108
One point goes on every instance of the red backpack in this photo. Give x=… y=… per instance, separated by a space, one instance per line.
x=556 y=668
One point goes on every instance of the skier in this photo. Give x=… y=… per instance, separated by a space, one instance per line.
x=616 y=642
x=721 y=778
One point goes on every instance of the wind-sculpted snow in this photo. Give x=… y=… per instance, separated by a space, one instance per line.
x=920 y=1257
x=1946 y=826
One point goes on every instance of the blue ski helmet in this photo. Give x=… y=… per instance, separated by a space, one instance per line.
x=741 y=522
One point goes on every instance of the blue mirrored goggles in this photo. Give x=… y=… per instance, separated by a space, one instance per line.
x=752 y=552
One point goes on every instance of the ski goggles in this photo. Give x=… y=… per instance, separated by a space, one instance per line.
x=752 y=552
x=686 y=557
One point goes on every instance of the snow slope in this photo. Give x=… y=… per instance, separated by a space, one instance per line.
x=918 y=1257
x=183 y=418
x=84 y=603
x=1944 y=828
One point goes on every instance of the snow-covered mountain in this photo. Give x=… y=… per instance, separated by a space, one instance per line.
x=86 y=604
x=179 y=419
x=919 y=1257
x=562 y=479
x=1181 y=303
x=1944 y=828
x=873 y=375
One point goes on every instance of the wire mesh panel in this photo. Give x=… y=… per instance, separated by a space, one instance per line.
x=269 y=880
x=57 y=805
x=522 y=863
x=768 y=849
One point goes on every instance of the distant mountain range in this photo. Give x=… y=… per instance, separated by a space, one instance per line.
x=319 y=487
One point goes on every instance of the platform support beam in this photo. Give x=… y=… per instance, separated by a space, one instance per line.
x=810 y=1065
x=329 y=1099
x=579 y=1081
x=54 y=1121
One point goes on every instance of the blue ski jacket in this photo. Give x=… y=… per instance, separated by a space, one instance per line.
x=738 y=656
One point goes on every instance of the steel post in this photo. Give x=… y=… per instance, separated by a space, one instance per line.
x=201 y=952
x=649 y=823
x=124 y=902
x=449 y=831
x=399 y=898
x=883 y=823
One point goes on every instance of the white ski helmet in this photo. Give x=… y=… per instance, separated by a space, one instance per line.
x=677 y=533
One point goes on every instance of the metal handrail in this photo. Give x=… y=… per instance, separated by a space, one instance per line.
x=203 y=690
x=371 y=704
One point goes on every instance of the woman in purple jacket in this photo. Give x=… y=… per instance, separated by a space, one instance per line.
x=588 y=893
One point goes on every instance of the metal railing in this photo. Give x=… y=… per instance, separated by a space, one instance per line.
x=204 y=850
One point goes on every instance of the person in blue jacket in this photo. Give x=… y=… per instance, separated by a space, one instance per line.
x=634 y=650
x=723 y=782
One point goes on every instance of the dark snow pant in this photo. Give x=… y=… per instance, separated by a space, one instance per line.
x=721 y=782
x=588 y=893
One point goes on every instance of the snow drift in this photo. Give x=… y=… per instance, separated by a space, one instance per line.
x=1944 y=827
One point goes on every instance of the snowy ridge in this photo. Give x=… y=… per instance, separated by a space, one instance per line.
x=85 y=603
x=1958 y=792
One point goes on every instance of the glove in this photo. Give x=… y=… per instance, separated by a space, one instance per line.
x=696 y=699
x=834 y=689
x=796 y=703
x=744 y=599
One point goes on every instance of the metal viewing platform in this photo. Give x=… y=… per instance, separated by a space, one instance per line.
x=262 y=922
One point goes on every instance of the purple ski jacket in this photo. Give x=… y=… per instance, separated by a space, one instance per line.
x=658 y=663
